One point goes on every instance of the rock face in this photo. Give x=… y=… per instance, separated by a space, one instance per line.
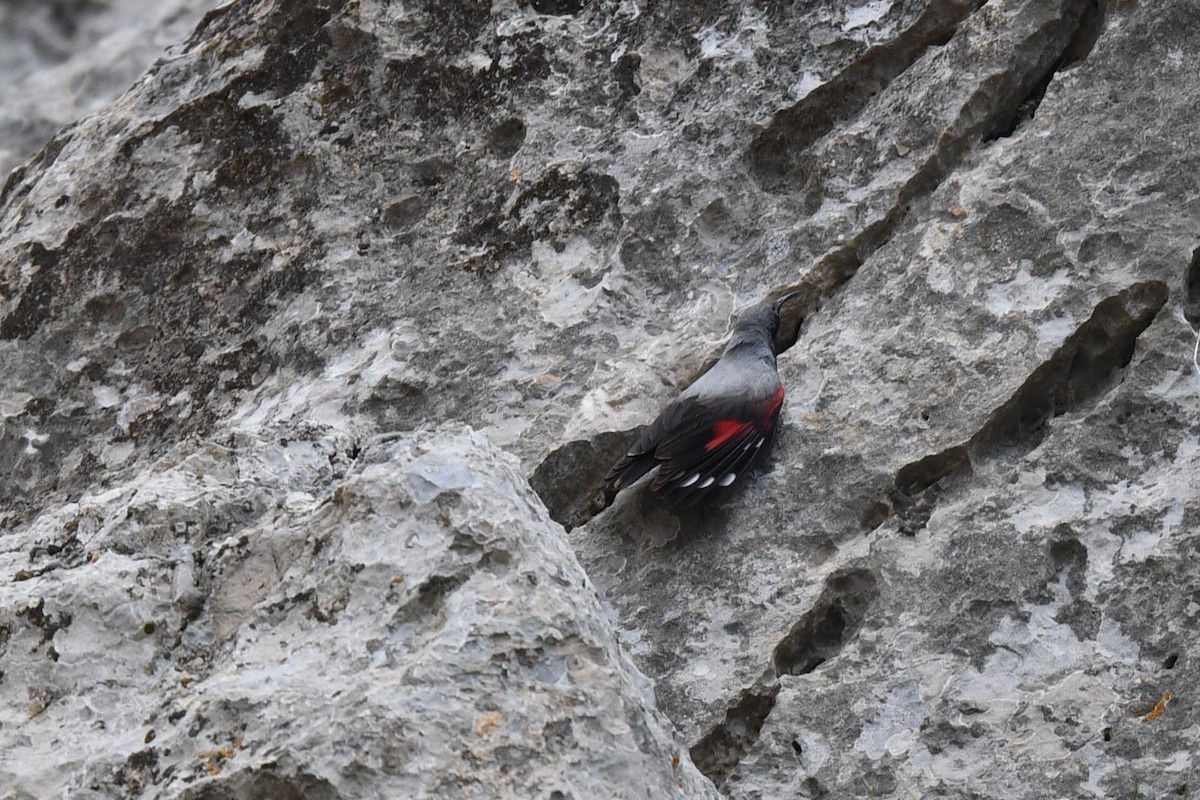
x=413 y=625
x=65 y=58
x=294 y=328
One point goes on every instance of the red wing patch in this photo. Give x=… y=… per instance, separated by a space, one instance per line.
x=773 y=406
x=724 y=430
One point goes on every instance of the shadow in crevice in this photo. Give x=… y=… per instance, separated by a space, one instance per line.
x=777 y=156
x=818 y=636
x=570 y=480
x=1191 y=291
x=1088 y=365
x=1089 y=26
x=722 y=749
x=557 y=8
x=918 y=484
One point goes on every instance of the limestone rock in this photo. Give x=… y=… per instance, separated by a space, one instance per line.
x=247 y=309
x=61 y=59
x=226 y=625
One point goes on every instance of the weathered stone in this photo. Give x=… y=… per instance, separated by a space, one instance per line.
x=316 y=222
x=423 y=630
x=65 y=58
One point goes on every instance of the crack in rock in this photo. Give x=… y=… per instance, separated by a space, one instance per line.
x=1088 y=364
x=1087 y=32
x=821 y=633
x=817 y=637
x=773 y=155
x=723 y=747
x=1191 y=288
x=568 y=480
x=1040 y=40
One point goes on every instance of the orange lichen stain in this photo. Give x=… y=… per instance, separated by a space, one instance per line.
x=515 y=176
x=210 y=762
x=214 y=758
x=675 y=770
x=957 y=211
x=398 y=579
x=487 y=724
x=1159 y=707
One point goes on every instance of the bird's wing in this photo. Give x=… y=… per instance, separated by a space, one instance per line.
x=641 y=458
x=711 y=449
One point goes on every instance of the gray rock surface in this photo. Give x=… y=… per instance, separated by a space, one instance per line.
x=270 y=318
x=61 y=59
x=265 y=620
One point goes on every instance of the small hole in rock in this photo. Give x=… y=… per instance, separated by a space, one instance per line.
x=874 y=516
x=558 y=8
x=507 y=137
x=1169 y=662
x=104 y=308
x=1107 y=734
x=1191 y=285
x=625 y=71
x=796 y=746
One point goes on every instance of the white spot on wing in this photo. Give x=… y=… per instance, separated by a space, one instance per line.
x=760 y=441
x=34 y=440
x=704 y=484
x=728 y=479
x=690 y=480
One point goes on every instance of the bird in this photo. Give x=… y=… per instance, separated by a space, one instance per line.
x=715 y=431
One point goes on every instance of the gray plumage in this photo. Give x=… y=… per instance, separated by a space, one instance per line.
x=710 y=437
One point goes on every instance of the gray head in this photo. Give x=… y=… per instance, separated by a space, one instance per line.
x=759 y=324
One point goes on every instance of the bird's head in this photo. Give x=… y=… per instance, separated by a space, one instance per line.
x=789 y=309
x=773 y=317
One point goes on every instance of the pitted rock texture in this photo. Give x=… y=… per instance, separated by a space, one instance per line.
x=422 y=630
x=61 y=59
x=244 y=302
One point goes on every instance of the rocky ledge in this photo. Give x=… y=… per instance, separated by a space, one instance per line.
x=320 y=338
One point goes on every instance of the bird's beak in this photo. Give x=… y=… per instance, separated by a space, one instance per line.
x=789 y=320
x=783 y=298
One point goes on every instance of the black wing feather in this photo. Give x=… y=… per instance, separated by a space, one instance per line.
x=643 y=456
x=702 y=462
x=677 y=442
x=735 y=458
